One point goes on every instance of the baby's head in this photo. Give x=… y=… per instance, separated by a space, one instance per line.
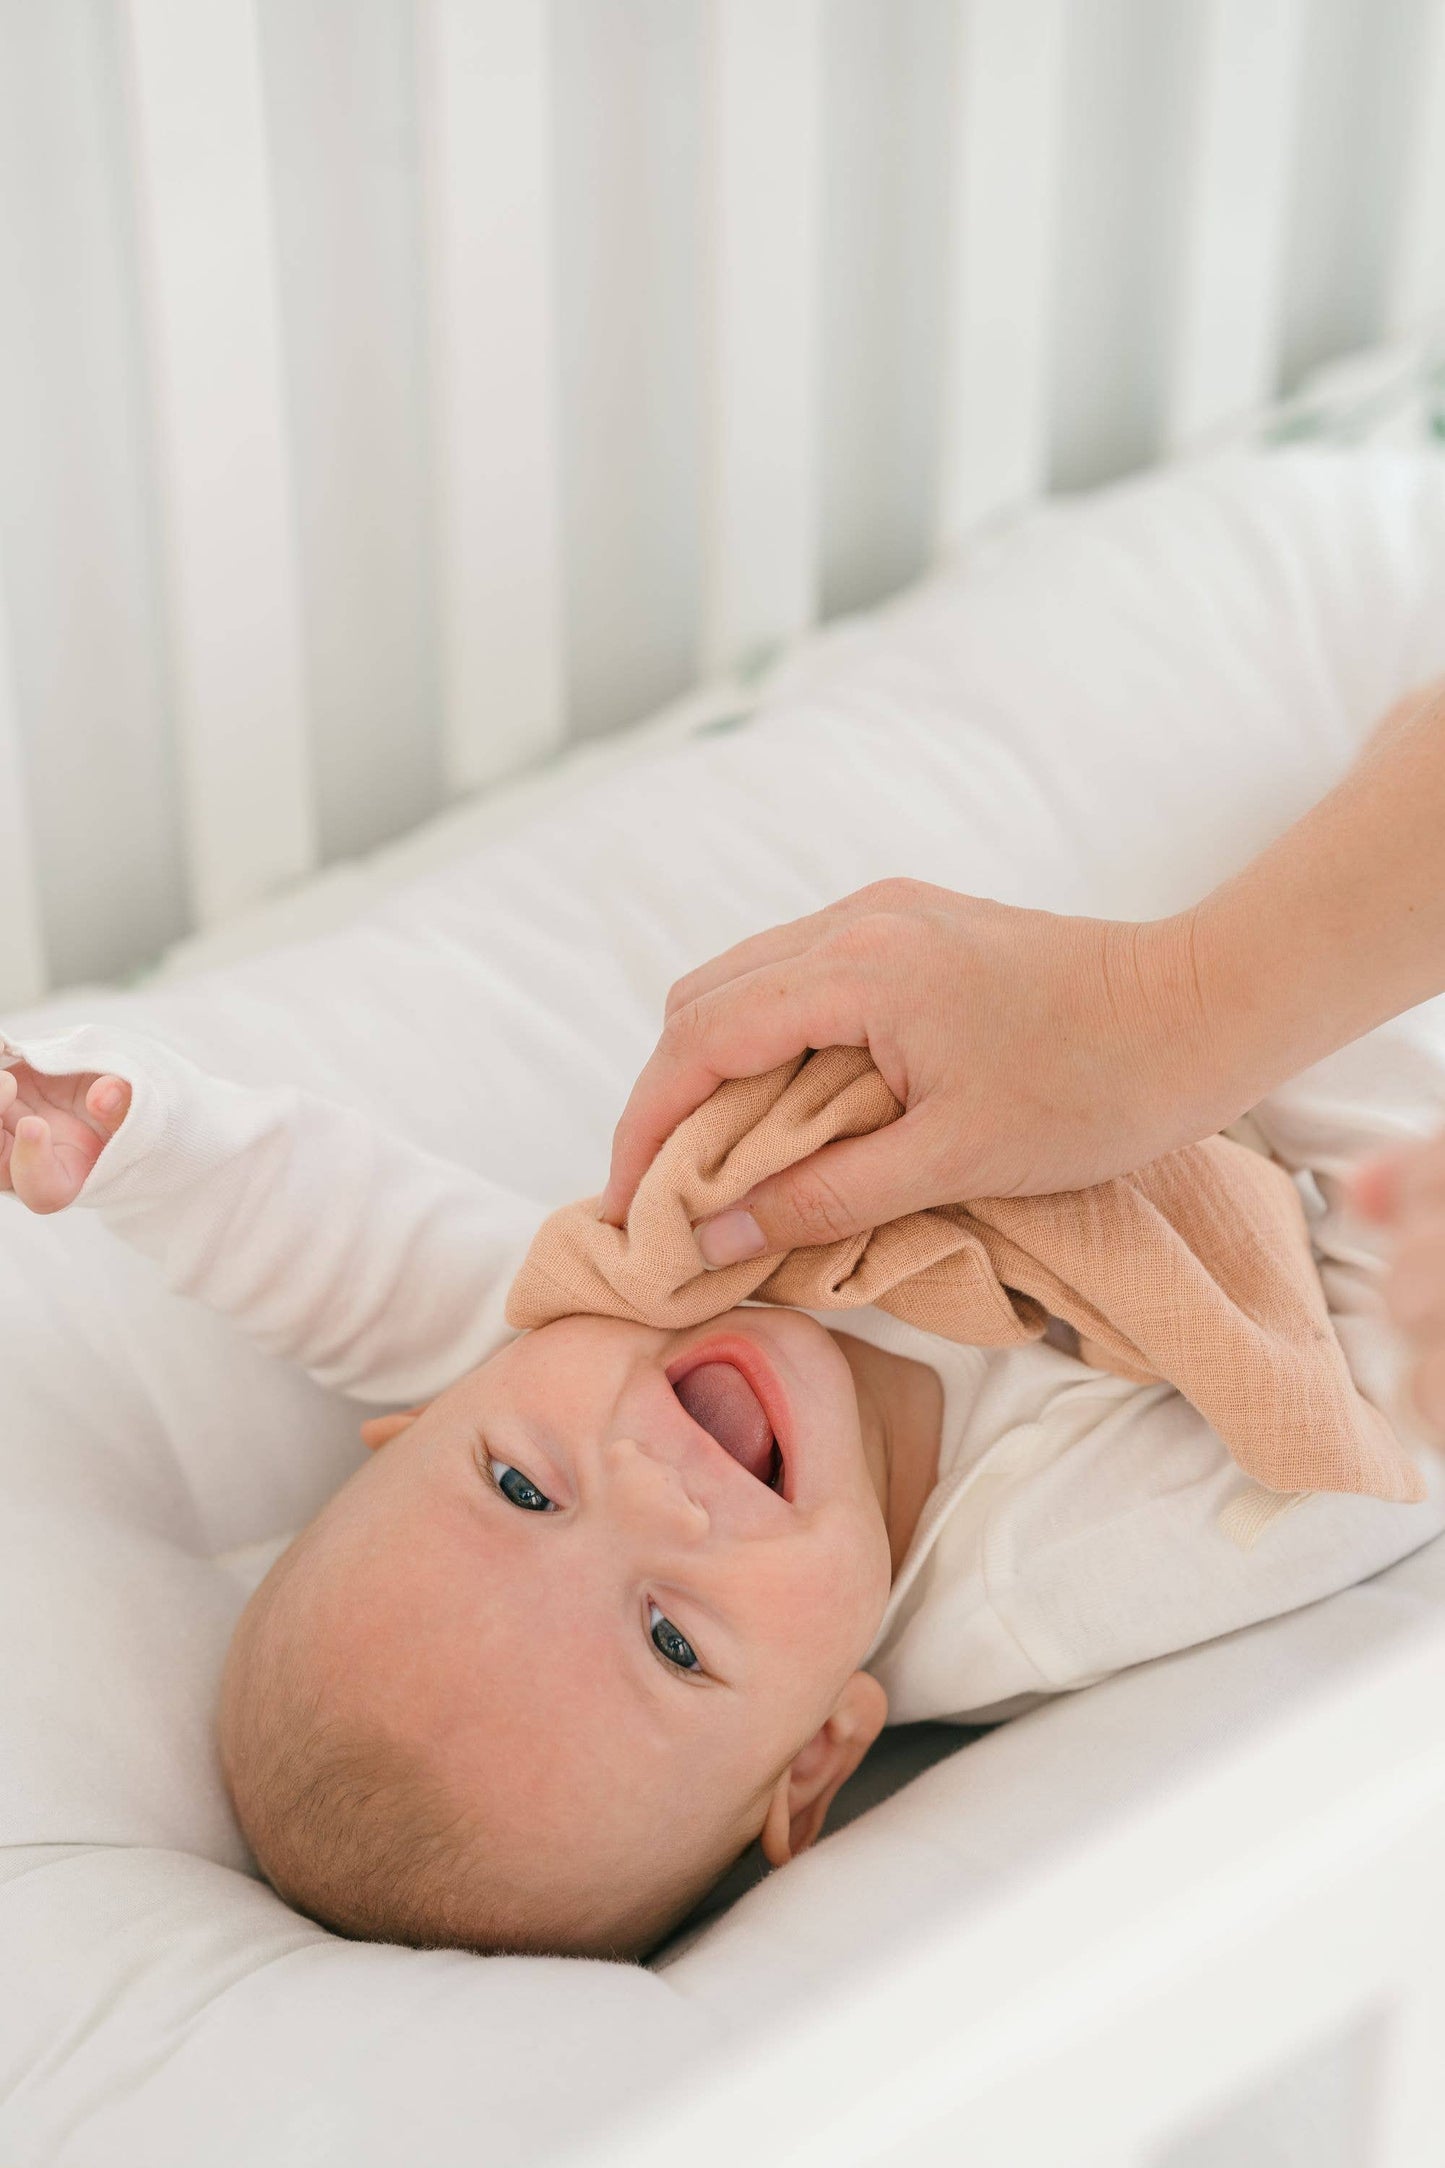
x=541 y=1671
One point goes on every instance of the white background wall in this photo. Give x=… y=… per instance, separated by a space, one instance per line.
x=88 y=573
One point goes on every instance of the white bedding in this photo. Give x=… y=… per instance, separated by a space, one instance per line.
x=1106 y=711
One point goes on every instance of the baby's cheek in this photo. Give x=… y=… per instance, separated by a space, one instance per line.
x=839 y=1595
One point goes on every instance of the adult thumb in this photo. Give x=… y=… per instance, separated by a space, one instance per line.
x=842 y=1190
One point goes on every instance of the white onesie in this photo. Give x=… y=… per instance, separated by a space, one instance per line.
x=1075 y=1527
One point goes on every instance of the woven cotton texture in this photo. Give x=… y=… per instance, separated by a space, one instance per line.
x=1195 y=1269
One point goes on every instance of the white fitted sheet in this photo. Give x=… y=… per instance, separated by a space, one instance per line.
x=1105 y=710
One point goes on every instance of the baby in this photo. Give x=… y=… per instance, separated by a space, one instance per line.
x=541 y=1672
x=613 y=1603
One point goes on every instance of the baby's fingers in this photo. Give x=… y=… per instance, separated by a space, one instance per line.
x=36 y=1175
x=108 y=1102
x=1374 y=1188
x=8 y=1091
x=1399 y=1184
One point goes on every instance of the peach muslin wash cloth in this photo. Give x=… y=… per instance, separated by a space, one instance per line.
x=1196 y=1269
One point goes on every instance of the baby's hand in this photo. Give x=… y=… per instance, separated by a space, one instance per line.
x=1406 y=1191
x=53 y=1129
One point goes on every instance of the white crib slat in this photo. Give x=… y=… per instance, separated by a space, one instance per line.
x=236 y=614
x=765 y=185
x=1228 y=313
x=22 y=956
x=487 y=127
x=1415 y=294
x=1009 y=104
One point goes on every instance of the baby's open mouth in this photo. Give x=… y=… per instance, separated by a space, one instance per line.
x=720 y=1401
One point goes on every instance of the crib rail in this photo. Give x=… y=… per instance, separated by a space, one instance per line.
x=230 y=565
x=487 y=191
x=764 y=213
x=1009 y=100
x=393 y=392
x=1131 y=1994
x=23 y=974
x=1238 y=168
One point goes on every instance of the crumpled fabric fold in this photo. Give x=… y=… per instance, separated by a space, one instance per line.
x=1195 y=1269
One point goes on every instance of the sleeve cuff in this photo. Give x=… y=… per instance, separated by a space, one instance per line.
x=161 y=1083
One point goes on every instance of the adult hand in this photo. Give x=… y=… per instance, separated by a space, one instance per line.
x=1030 y=1052
x=1035 y=1053
x=1406 y=1191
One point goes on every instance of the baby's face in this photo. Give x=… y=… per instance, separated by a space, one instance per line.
x=605 y=1623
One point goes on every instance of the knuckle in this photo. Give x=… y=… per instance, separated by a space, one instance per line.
x=895 y=892
x=682 y=1026
x=871 y=940
x=818 y=1208
x=679 y=994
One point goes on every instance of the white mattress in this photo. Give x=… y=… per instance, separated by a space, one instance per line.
x=1145 y=689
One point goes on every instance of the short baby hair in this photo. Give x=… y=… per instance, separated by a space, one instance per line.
x=366 y=1834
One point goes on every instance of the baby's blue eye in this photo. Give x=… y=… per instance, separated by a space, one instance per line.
x=667 y=1638
x=515 y=1487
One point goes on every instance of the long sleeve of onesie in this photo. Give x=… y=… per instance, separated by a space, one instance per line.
x=1083 y=1524
x=380 y=1268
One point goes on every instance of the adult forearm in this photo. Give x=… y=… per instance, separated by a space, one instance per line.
x=1340 y=923
x=1036 y=1052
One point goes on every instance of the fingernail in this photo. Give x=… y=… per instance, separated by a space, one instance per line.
x=730 y=1238
x=108 y=1098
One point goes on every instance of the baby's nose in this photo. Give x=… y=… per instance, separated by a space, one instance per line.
x=651 y=1487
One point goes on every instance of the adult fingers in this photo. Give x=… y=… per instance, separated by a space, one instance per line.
x=742 y=1029
x=858 y=1183
x=794 y=938
x=773 y=946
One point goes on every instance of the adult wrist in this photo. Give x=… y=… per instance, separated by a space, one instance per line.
x=1264 y=1012
x=1214 y=1043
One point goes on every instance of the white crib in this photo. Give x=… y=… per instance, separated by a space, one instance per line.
x=393 y=393
x=396 y=392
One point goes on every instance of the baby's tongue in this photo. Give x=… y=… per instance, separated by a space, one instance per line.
x=720 y=1398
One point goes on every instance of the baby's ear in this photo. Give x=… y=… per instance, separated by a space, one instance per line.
x=810 y=1783
x=379 y=1430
